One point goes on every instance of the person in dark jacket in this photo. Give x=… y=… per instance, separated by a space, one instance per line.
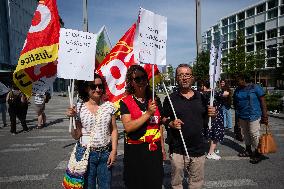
x=17 y=102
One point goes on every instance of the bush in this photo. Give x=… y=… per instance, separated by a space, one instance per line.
x=274 y=102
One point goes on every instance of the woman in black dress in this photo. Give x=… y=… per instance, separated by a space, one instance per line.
x=144 y=146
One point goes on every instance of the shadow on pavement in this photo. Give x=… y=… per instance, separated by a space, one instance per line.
x=232 y=143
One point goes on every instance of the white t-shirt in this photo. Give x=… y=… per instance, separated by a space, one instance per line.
x=102 y=136
x=39 y=99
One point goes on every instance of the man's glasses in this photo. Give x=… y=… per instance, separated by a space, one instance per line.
x=140 y=79
x=187 y=76
x=95 y=86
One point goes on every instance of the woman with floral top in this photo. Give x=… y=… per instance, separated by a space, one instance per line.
x=95 y=114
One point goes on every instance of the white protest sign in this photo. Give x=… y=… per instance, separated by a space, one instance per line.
x=151 y=37
x=76 y=56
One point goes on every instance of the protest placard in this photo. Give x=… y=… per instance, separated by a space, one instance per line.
x=151 y=37
x=76 y=57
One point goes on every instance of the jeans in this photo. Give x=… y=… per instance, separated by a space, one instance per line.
x=227 y=117
x=97 y=170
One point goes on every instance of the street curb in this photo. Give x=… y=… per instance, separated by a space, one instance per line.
x=276 y=116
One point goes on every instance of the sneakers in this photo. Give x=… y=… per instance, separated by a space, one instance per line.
x=213 y=156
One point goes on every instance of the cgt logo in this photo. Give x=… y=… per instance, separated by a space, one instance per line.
x=115 y=73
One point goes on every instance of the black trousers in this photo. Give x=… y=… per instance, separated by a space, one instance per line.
x=19 y=113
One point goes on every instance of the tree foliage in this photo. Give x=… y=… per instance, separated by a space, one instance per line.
x=201 y=67
x=240 y=62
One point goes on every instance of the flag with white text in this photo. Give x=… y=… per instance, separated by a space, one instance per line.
x=37 y=61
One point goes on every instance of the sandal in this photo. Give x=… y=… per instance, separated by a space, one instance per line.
x=245 y=154
x=39 y=127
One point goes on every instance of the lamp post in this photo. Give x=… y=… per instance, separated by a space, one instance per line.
x=85 y=15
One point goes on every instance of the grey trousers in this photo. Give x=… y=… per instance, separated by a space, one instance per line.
x=195 y=168
x=250 y=131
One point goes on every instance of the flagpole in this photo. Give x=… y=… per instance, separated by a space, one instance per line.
x=85 y=15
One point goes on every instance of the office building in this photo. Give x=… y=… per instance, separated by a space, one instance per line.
x=262 y=24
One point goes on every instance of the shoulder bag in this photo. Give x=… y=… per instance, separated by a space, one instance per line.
x=74 y=176
x=267 y=143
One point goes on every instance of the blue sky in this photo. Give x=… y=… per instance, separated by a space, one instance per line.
x=119 y=15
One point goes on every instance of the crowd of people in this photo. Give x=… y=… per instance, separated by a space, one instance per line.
x=18 y=104
x=184 y=115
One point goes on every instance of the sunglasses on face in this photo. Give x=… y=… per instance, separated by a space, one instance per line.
x=140 y=79
x=95 y=86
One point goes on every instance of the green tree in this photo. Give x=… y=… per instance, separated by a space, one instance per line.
x=201 y=67
x=240 y=62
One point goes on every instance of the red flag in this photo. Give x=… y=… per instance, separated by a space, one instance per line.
x=116 y=63
x=40 y=49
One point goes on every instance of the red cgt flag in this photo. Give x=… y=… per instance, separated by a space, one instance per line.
x=116 y=63
x=40 y=51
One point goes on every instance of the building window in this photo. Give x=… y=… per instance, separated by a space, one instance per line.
x=232 y=27
x=250 y=12
x=271 y=46
x=225 y=45
x=250 y=40
x=271 y=33
x=232 y=36
x=225 y=30
x=272 y=14
x=272 y=4
x=241 y=16
x=233 y=43
x=215 y=28
x=260 y=8
x=260 y=27
x=224 y=53
x=250 y=30
x=281 y=31
x=271 y=62
x=281 y=51
x=225 y=22
x=282 y=10
x=241 y=24
x=271 y=52
x=225 y=37
x=250 y=48
x=232 y=19
x=260 y=46
x=260 y=36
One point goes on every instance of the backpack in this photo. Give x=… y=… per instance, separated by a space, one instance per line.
x=14 y=100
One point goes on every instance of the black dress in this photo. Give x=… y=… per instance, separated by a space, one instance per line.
x=142 y=168
x=217 y=131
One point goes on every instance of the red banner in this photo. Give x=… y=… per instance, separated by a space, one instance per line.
x=40 y=48
x=116 y=63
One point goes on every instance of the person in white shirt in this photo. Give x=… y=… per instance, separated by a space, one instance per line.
x=93 y=113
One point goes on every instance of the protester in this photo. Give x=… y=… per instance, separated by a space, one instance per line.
x=40 y=99
x=94 y=113
x=3 y=109
x=17 y=102
x=251 y=110
x=192 y=112
x=227 y=102
x=144 y=144
x=216 y=133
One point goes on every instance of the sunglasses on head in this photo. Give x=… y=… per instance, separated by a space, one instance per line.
x=140 y=79
x=94 y=86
